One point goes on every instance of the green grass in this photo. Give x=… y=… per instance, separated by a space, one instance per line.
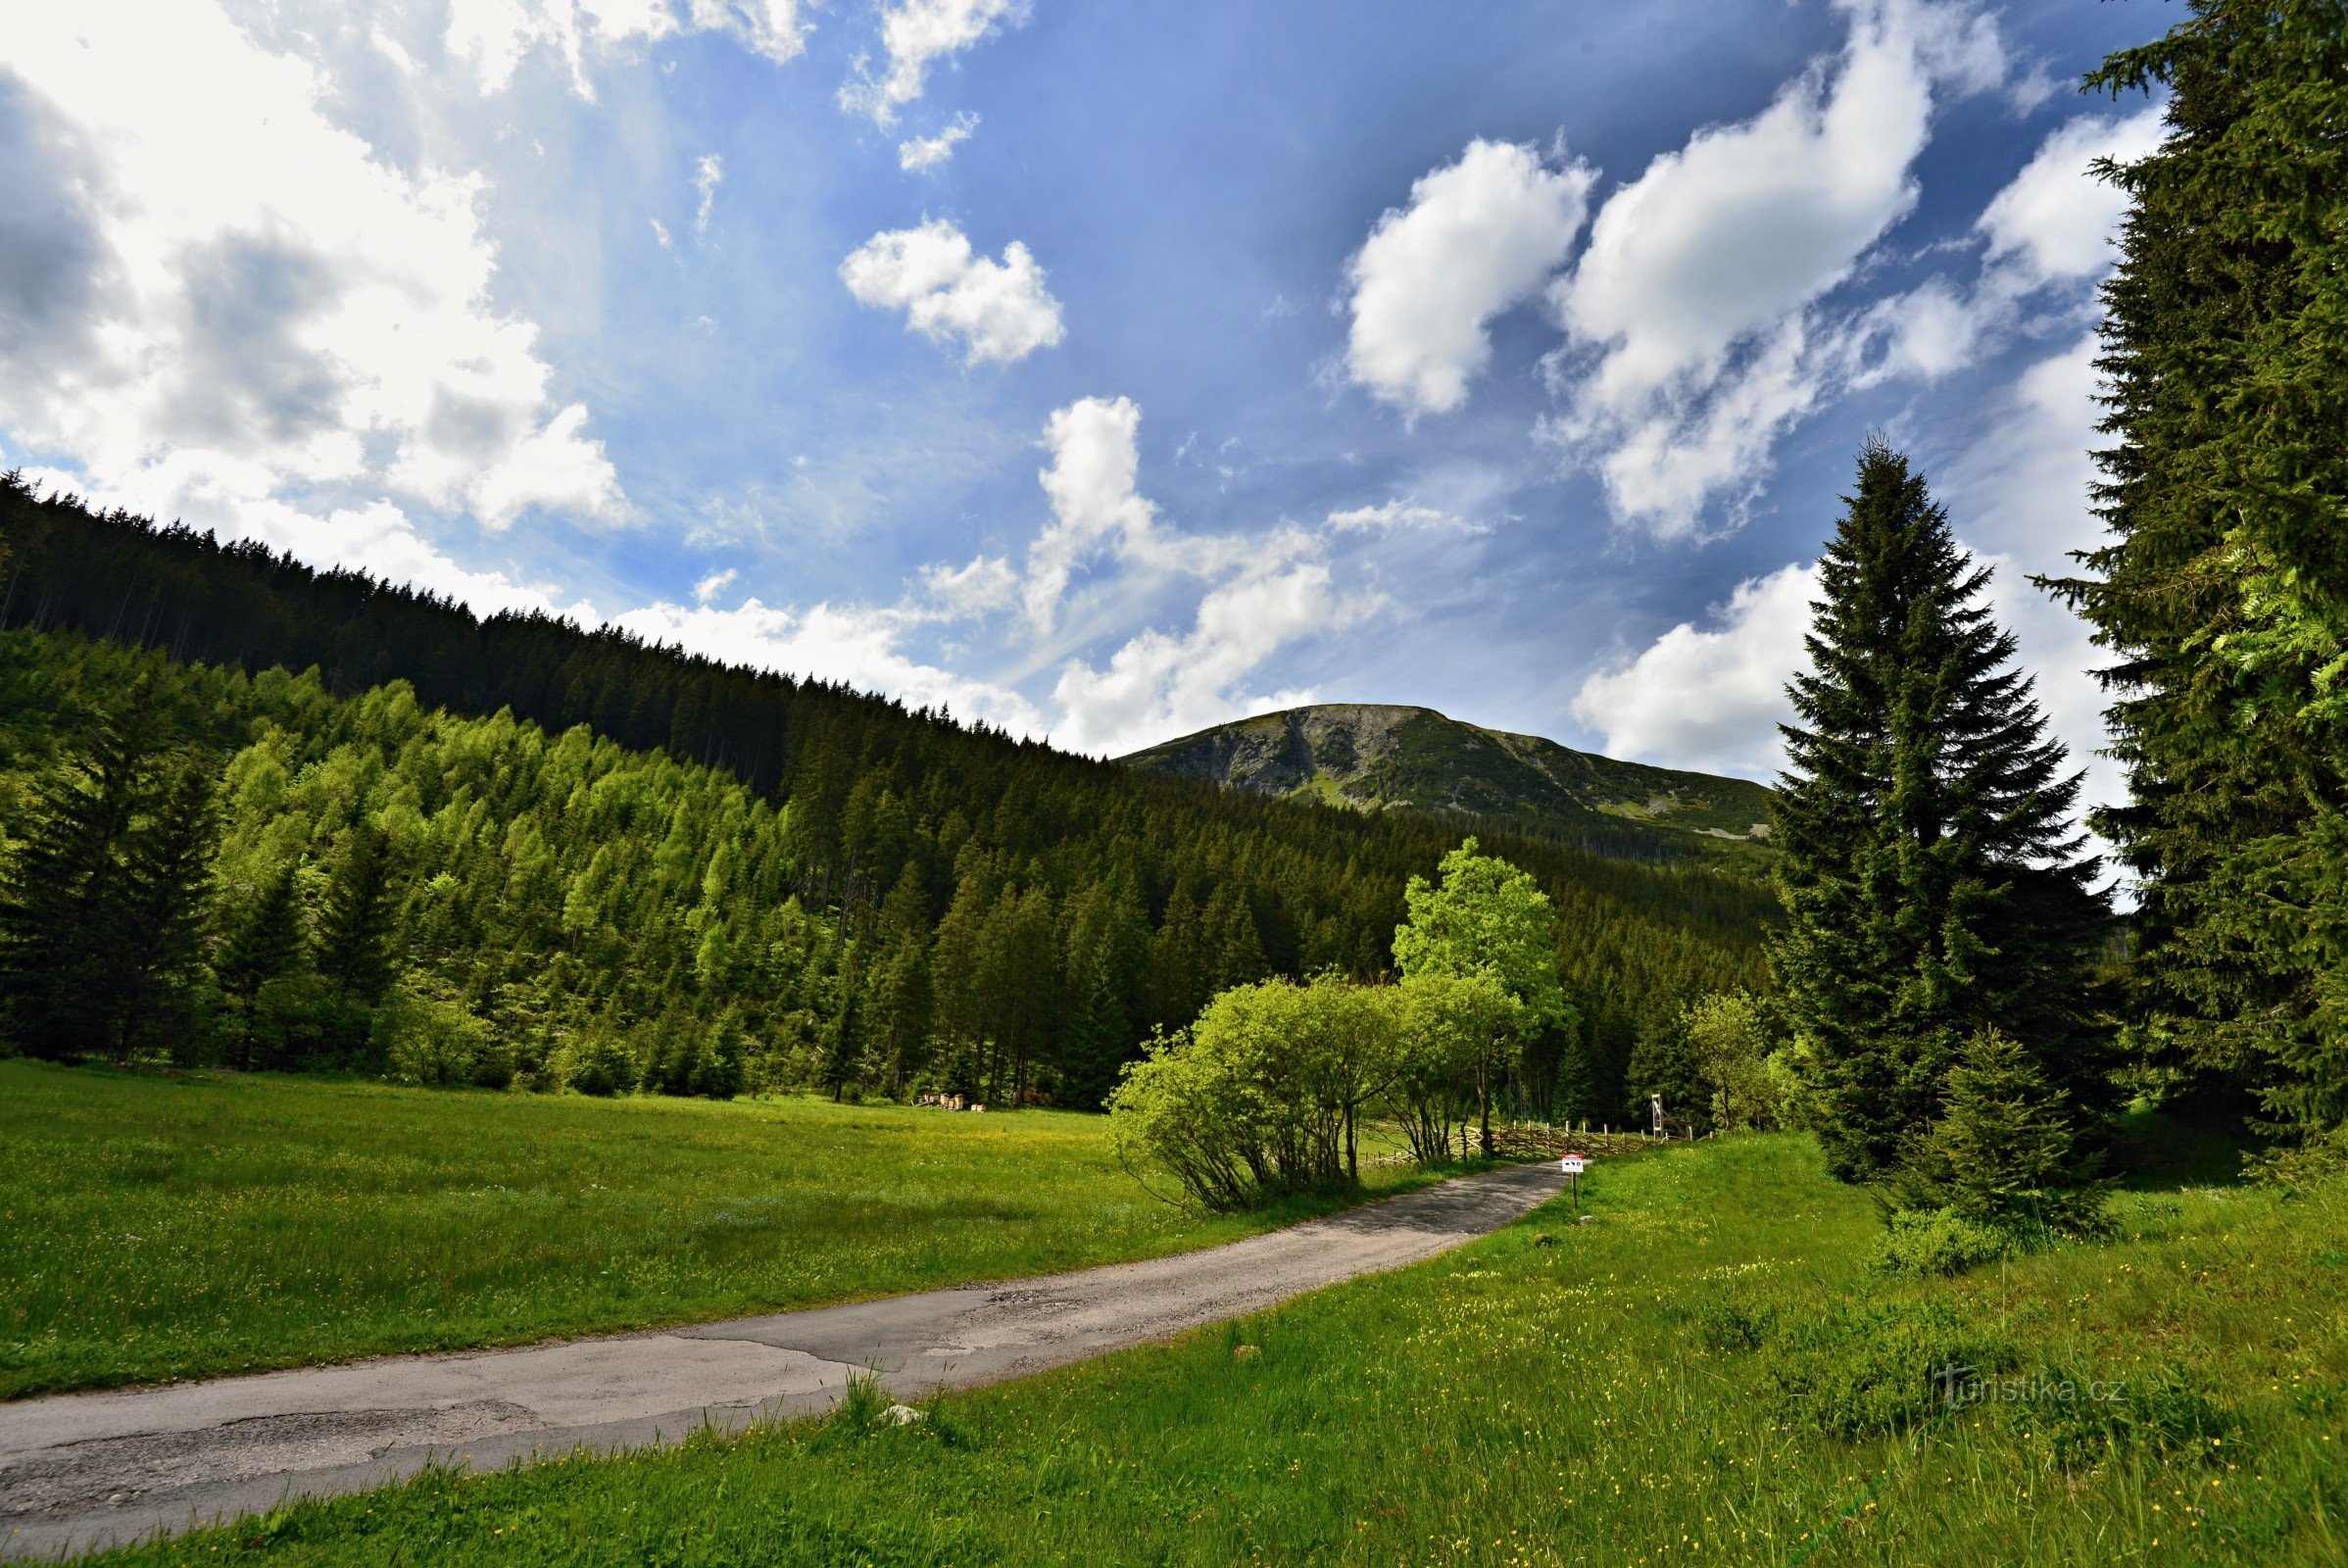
x=161 y=1228
x=1708 y=1372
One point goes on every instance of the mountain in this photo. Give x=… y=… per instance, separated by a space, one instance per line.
x=1369 y=755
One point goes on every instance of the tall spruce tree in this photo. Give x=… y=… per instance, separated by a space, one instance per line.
x=1932 y=878
x=355 y=929
x=2223 y=590
x=99 y=909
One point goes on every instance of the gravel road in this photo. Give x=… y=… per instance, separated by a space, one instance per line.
x=85 y=1470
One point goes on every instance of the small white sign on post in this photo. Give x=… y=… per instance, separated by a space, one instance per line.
x=1572 y=1164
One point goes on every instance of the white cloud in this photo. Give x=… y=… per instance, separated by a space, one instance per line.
x=2055 y=221
x=2019 y=495
x=999 y=309
x=1690 y=343
x=716 y=583
x=235 y=297
x=1479 y=237
x=916 y=33
x=921 y=153
x=496 y=35
x=1710 y=698
x=660 y=234
x=707 y=174
x=860 y=645
x=1157 y=685
x=1403 y=515
x=982 y=587
x=1091 y=484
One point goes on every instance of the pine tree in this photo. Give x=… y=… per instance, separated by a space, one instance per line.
x=355 y=928
x=168 y=878
x=99 y=911
x=2005 y=1152
x=2223 y=591
x=1932 y=878
x=268 y=943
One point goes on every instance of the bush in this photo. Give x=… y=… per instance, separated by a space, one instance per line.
x=422 y=1040
x=2005 y=1152
x=1932 y=1243
x=1258 y=1099
x=598 y=1062
x=2076 y=1422
x=1875 y=1370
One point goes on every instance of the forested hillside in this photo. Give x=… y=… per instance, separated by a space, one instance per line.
x=579 y=859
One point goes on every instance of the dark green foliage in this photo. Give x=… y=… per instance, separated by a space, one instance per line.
x=354 y=936
x=268 y=943
x=1930 y=871
x=1664 y=1062
x=2223 y=591
x=2006 y=1151
x=990 y=917
x=102 y=905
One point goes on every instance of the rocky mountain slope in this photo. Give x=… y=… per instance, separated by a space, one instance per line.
x=1368 y=755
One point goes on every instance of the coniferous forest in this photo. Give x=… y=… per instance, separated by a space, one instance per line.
x=286 y=818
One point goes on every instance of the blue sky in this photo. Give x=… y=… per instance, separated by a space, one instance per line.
x=1103 y=370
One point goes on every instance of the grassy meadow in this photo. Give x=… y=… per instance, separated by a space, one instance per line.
x=170 y=1227
x=1707 y=1372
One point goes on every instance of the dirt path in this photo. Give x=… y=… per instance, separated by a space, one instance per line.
x=83 y=1470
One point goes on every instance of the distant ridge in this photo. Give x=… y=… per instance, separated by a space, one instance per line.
x=1368 y=755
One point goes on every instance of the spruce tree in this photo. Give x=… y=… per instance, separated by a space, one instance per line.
x=2222 y=588
x=2006 y=1150
x=99 y=908
x=354 y=939
x=1932 y=878
x=267 y=944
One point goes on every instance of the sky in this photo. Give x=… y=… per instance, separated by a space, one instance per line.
x=1100 y=371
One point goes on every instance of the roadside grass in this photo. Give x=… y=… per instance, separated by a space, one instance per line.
x=154 y=1227
x=1708 y=1371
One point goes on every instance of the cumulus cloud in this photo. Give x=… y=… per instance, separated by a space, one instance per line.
x=1690 y=343
x=1479 y=237
x=860 y=645
x=2055 y=221
x=1158 y=685
x=1711 y=697
x=259 y=306
x=916 y=33
x=495 y=36
x=998 y=310
x=919 y=154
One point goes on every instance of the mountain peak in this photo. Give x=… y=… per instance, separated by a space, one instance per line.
x=1369 y=755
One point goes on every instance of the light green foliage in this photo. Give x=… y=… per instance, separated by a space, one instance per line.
x=1730 y=1038
x=160 y=1228
x=1658 y=1387
x=1262 y=1097
x=1487 y=918
x=1453 y=1027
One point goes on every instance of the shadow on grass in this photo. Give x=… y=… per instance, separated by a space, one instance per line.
x=2156 y=1151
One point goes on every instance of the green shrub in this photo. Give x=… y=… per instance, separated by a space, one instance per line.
x=1929 y=1244
x=423 y=1039
x=2067 y=1422
x=1736 y=1326
x=1879 y=1369
x=597 y=1062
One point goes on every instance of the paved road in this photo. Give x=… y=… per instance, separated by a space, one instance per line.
x=83 y=1470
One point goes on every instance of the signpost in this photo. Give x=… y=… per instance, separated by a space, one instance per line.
x=1571 y=1164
